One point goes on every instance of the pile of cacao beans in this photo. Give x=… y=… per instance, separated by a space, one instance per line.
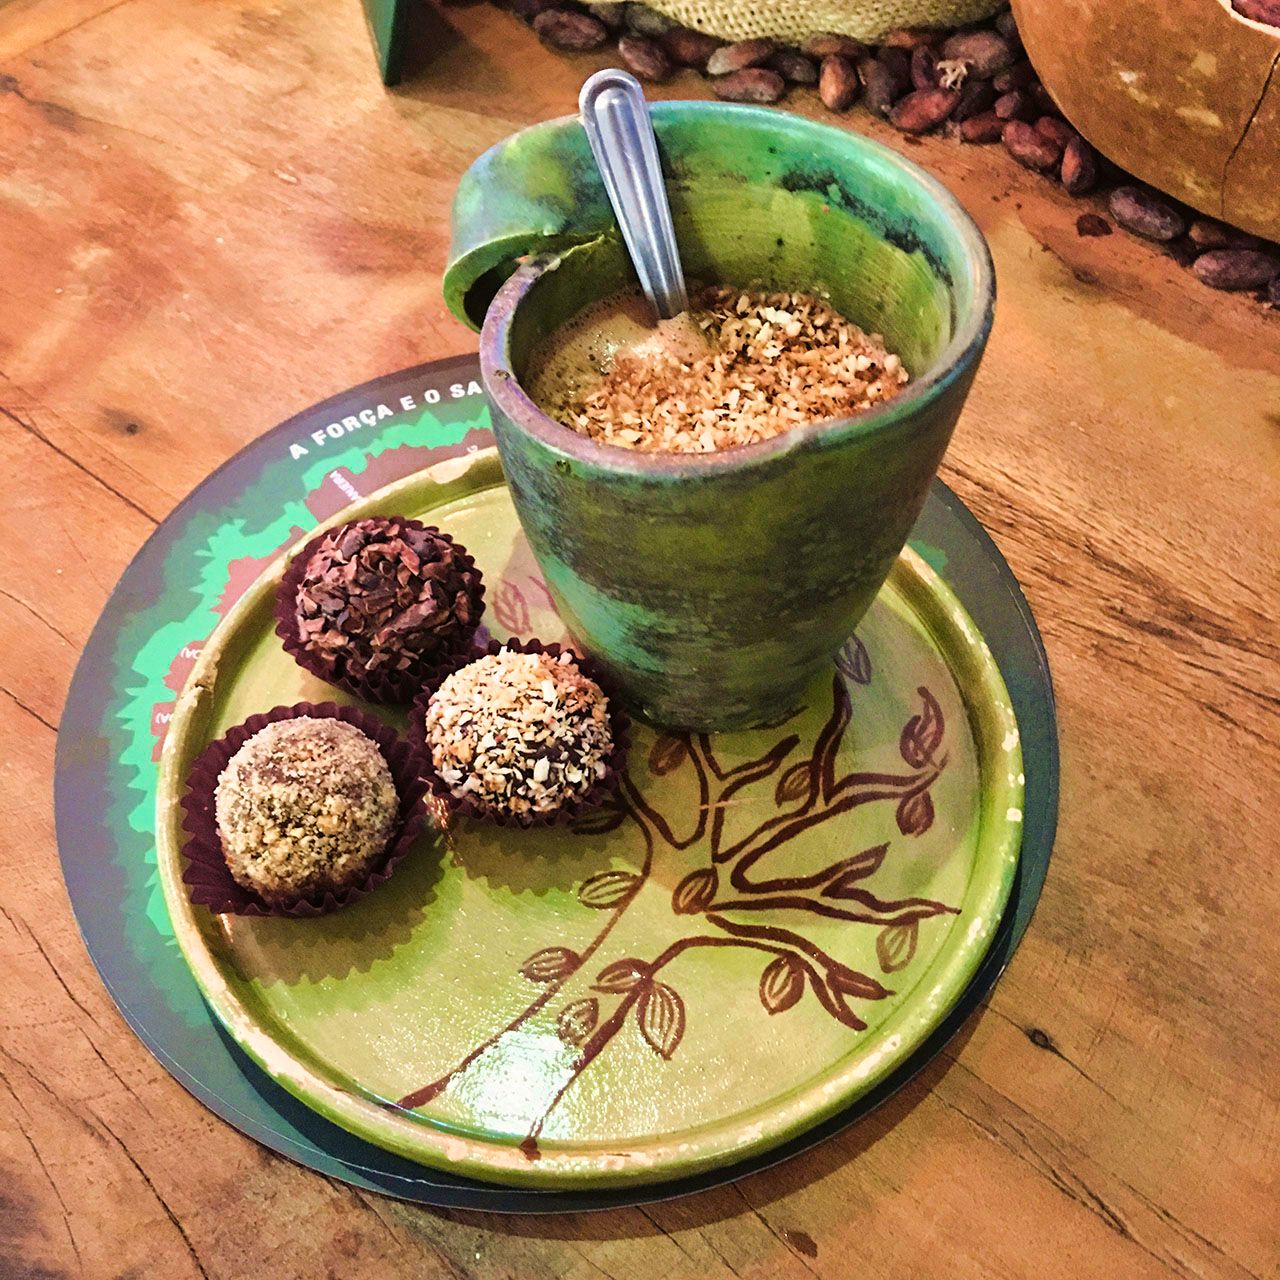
x=976 y=84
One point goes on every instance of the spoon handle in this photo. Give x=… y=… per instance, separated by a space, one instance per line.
x=616 y=118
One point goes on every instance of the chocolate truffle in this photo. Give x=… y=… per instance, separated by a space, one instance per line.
x=384 y=598
x=519 y=733
x=304 y=806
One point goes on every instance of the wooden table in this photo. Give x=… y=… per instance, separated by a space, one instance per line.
x=212 y=215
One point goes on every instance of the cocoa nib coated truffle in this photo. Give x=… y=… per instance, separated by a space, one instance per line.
x=380 y=596
x=304 y=806
x=519 y=733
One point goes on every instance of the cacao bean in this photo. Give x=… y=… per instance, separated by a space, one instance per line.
x=1007 y=26
x=910 y=38
x=924 y=68
x=976 y=96
x=529 y=9
x=838 y=83
x=738 y=57
x=1236 y=268
x=881 y=83
x=1013 y=105
x=1182 y=251
x=1019 y=76
x=986 y=52
x=984 y=127
x=612 y=14
x=690 y=48
x=647 y=22
x=1056 y=130
x=924 y=109
x=1207 y=233
x=794 y=67
x=1243 y=240
x=645 y=57
x=566 y=29
x=899 y=62
x=1267 y=11
x=1273 y=293
x=1079 y=167
x=1043 y=101
x=826 y=43
x=751 y=84
x=1146 y=214
x=1092 y=224
x=1030 y=148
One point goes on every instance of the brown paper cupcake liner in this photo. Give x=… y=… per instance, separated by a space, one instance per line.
x=383 y=687
x=619 y=724
x=209 y=881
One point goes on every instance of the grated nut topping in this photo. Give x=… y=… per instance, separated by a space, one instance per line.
x=519 y=733
x=775 y=361
x=304 y=805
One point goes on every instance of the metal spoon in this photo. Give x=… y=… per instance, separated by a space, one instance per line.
x=616 y=118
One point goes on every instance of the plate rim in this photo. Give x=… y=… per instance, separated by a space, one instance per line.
x=948 y=975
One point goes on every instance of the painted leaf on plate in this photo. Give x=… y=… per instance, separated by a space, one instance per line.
x=578 y=1020
x=922 y=735
x=549 y=964
x=621 y=975
x=661 y=1017
x=795 y=784
x=854 y=661
x=781 y=983
x=510 y=608
x=896 y=945
x=667 y=755
x=599 y=822
x=915 y=814
x=608 y=889
x=695 y=892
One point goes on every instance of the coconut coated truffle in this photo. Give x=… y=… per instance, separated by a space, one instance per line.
x=519 y=733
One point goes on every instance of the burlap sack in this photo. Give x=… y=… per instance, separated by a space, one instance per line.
x=793 y=20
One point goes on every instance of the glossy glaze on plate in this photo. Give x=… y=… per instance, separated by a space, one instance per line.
x=761 y=929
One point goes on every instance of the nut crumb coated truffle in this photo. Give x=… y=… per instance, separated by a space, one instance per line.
x=519 y=733
x=381 y=595
x=304 y=806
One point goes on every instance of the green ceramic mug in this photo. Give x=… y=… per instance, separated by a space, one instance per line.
x=714 y=587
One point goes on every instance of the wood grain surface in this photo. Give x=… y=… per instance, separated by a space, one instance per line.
x=211 y=216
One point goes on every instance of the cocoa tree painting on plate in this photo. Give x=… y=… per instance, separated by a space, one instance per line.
x=747 y=894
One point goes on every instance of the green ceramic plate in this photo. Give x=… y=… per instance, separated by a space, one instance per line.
x=760 y=929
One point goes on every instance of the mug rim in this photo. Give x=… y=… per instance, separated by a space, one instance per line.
x=961 y=351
